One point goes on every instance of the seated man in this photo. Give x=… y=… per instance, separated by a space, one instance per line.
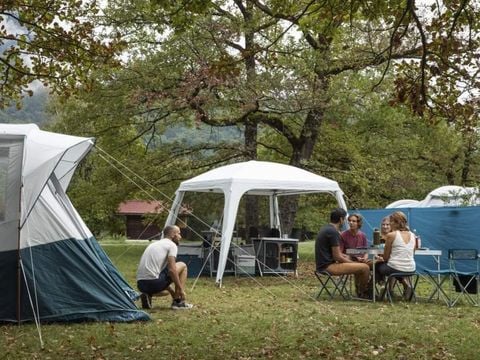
x=329 y=257
x=158 y=269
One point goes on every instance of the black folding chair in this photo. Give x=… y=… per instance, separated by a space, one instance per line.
x=332 y=284
x=393 y=281
x=464 y=281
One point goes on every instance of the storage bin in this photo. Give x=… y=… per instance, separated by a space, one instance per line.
x=245 y=265
x=194 y=264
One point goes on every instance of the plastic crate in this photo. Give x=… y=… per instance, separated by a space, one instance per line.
x=245 y=265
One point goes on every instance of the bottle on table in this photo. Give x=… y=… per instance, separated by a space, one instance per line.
x=418 y=240
x=376 y=237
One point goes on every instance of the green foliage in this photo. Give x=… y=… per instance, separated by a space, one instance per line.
x=314 y=211
x=118 y=169
x=53 y=42
x=379 y=154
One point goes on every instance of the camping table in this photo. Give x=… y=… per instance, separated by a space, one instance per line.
x=436 y=254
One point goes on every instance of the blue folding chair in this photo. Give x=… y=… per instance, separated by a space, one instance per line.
x=464 y=280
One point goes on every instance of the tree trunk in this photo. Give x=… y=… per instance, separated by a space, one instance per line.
x=251 y=202
x=251 y=129
x=302 y=151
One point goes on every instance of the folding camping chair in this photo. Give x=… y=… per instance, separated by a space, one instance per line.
x=332 y=284
x=392 y=282
x=464 y=280
x=470 y=284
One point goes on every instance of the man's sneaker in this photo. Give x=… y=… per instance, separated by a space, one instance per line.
x=181 y=305
x=146 y=301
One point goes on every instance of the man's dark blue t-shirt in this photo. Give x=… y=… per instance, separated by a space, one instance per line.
x=327 y=237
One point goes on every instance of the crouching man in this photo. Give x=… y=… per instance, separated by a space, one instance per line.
x=158 y=269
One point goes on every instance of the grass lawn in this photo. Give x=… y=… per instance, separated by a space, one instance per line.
x=262 y=318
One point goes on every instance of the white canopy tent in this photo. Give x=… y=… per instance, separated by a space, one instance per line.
x=252 y=178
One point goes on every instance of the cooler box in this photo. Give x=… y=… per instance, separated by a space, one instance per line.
x=244 y=265
x=194 y=264
x=192 y=256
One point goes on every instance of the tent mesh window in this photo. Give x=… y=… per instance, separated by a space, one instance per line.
x=4 y=154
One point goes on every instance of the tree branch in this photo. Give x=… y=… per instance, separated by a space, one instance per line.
x=457 y=14
x=390 y=48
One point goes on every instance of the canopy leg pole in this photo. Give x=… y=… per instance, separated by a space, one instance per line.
x=203 y=267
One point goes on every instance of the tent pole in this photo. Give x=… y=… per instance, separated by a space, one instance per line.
x=19 y=277
x=18 y=285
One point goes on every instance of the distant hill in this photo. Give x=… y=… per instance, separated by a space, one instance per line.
x=32 y=110
x=202 y=134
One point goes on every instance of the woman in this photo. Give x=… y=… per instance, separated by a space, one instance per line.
x=398 y=255
x=385 y=229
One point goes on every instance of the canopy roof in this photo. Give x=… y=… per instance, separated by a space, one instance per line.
x=260 y=178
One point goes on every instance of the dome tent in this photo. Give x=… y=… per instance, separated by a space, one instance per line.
x=48 y=256
x=403 y=204
x=253 y=178
x=449 y=195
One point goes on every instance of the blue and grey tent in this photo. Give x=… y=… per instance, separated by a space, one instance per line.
x=51 y=266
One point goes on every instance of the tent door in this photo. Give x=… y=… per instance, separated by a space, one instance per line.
x=11 y=158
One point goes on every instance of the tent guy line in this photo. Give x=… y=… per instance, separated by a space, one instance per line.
x=104 y=156
x=132 y=181
x=35 y=309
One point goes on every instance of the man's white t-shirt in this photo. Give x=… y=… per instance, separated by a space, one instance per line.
x=154 y=259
